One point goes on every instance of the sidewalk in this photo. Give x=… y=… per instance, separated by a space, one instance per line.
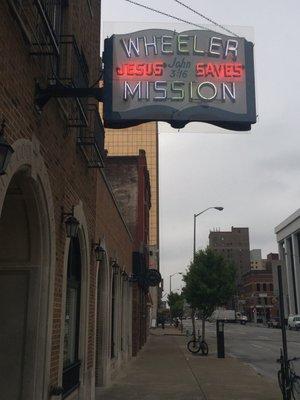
x=165 y=370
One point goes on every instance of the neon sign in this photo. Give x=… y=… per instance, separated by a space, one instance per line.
x=140 y=69
x=161 y=75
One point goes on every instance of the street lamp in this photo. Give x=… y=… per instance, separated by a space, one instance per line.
x=197 y=215
x=175 y=273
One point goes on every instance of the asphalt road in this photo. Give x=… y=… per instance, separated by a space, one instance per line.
x=256 y=345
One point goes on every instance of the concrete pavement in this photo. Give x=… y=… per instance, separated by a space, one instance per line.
x=165 y=370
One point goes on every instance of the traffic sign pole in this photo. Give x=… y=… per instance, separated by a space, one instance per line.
x=285 y=378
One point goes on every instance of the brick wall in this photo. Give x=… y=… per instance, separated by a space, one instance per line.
x=71 y=180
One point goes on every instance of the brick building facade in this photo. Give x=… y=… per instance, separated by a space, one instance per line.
x=128 y=142
x=65 y=314
x=129 y=177
x=233 y=246
x=257 y=294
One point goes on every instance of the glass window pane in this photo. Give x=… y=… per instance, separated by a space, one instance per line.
x=70 y=335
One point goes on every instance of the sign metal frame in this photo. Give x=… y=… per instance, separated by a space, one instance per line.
x=162 y=111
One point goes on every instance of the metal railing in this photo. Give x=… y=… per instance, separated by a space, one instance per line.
x=74 y=72
x=40 y=21
x=91 y=139
x=73 y=69
x=71 y=378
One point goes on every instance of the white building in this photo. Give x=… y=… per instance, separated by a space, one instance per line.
x=288 y=238
x=255 y=255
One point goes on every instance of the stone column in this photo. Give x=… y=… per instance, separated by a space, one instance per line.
x=282 y=261
x=296 y=251
x=290 y=291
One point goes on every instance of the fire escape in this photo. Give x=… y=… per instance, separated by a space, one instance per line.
x=64 y=72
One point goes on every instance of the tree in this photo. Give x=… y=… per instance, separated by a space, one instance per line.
x=210 y=282
x=176 y=302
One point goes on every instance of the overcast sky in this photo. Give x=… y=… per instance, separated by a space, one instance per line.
x=254 y=176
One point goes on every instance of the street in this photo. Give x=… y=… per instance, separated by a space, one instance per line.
x=255 y=345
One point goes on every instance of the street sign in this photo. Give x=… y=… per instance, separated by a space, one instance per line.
x=163 y=75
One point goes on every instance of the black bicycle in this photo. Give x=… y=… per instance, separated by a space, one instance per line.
x=288 y=381
x=196 y=344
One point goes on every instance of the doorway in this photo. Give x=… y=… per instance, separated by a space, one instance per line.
x=22 y=361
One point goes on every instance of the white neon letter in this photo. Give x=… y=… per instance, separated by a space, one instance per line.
x=150 y=44
x=230 y=92
x=162 y=90
x=231 y=45
x=214 y=45
x=212 y=86
x=132 y=92
x=131 y=47
x=165 y=44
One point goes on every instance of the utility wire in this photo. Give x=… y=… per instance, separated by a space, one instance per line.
x=208 y=19
x=166 y=14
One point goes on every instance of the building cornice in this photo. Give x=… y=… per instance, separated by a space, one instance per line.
x=289 y=220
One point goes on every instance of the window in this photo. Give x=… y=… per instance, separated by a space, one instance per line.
x=258 y=287
x=264 y=287
x=71 y=363
x=271 y=287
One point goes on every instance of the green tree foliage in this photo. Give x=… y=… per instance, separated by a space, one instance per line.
x=210 y=282
x=176 y=302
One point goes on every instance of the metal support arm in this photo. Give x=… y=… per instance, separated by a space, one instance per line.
x=44 y=95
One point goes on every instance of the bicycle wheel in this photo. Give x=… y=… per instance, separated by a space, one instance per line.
x=296 y=387
x=280 y=382
x=204 y=348
x=194 y=346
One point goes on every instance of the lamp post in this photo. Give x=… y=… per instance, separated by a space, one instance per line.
x=175 y=273
x=197 y=215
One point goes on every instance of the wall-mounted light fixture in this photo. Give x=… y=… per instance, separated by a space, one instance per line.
x=115 y=266
x=72 y=223
x=6 y=150
x=124 y=275
x=99 y=251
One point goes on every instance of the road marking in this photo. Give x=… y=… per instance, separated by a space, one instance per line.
x=263 y=337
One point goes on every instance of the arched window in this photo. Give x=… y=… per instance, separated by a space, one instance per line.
x=72 y=319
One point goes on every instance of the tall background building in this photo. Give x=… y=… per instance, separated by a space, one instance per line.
x=128 y=142
x=234 y=246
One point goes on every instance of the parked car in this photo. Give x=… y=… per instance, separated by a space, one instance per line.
x=294 y=322
x=274 y=323
x=243 y=319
